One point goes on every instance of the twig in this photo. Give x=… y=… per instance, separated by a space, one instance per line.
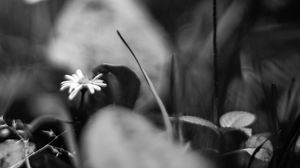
x=38 y=151
x=36 y=123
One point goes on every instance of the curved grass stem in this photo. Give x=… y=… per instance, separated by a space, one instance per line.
x=164 y=112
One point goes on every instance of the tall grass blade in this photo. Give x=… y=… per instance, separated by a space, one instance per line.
x=165 y=115
x=283 y=154
x=291 y=96
x=272 y=109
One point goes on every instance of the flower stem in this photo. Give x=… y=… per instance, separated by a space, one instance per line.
x=81 y=103
x=80 y=117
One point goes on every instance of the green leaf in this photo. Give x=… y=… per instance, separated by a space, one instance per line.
x=12 y=152
x=123 y=86
x=237 y=119
x=265 y=147
x=247 y=131
x=198 y=121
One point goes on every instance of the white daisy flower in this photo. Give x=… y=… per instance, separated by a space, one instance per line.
x=78 y=81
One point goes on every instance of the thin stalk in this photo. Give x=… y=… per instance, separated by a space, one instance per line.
x=26 y=153
x=272 y=109
x=289 y=100
x=81 y=112
x=215 y=55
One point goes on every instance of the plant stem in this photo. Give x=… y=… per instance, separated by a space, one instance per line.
x=81 y=102
x=26 y=152
x=81 y=116
x=215 y=55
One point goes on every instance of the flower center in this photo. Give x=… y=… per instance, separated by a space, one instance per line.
x=83 y=81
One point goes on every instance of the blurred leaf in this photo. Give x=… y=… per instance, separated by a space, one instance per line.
x=12 y=152
x=232 y=138
x=287 y=102
x=237 y=119
x=12 y=84
x=297 y=145
x=198 y=121
x=123 y=84
x=247 y=131
x=118 y=138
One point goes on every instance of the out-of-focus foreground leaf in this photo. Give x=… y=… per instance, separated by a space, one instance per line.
x=119 y=138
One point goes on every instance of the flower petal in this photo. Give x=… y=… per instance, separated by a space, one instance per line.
x=71 y=89
x=102 y=84
x=75 y=77
x=69 y=77
x=97 y=76
x=97 y=81
x=64 y=87
x=67 y=82
x=98 y=88
x=90 y=88
x=79 y=73
x=74 y=92
x=73 y=86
